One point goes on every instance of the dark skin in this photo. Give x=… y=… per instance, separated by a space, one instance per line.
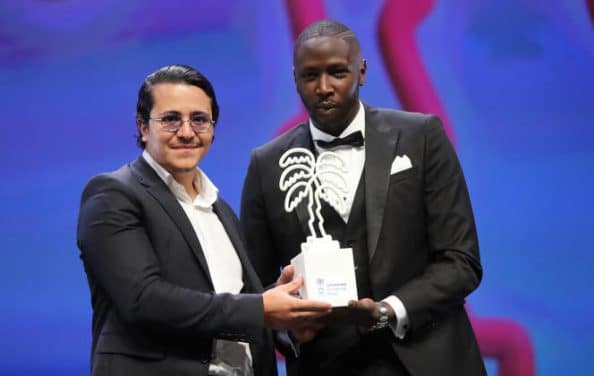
x=328 y=71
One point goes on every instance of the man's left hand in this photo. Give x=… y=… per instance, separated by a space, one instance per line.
x=363 y=313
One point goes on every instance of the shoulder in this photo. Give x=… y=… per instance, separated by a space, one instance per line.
x=107 y=196
x=398 y=117
x=411 y=123
x=121 y=179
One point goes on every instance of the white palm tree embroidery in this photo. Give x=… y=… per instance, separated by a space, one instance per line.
x=304 y=176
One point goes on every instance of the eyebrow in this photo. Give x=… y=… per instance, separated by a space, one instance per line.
x=313 y=68
x=175 y=112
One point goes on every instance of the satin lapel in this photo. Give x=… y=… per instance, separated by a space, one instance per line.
x=380 y=148
x=302 y=139
x=232 y=228
x=161 y=193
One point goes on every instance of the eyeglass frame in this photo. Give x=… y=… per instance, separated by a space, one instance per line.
x=210 y=123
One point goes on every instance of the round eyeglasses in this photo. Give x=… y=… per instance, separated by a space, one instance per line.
x=172 y=123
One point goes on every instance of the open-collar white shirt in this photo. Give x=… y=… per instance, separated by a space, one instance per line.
x=222 y=260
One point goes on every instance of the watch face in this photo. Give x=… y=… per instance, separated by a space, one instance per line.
x=382 y=321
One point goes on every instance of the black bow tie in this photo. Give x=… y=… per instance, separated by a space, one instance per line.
x=354 y=139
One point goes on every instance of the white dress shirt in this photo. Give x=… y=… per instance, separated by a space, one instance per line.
x=355 y=161
x=223 y=263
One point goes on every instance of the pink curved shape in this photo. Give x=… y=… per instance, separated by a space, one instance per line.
x=301 y=117
x=396 y=32
x=301 y=14
x=590 y=4
x=304 y=12
x=506 y=341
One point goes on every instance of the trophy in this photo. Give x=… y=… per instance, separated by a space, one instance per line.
x=328 y=270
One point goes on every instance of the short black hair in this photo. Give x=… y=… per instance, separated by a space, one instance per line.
x=327 y=28
x=177 y=73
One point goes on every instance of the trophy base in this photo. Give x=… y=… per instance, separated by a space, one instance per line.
x=328 y=271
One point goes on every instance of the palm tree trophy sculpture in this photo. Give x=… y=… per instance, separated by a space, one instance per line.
x=328 y=270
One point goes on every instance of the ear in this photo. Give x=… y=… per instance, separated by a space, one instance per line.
x=362 y=72
x=143 y=129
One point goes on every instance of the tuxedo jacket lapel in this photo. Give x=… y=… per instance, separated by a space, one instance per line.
x=380 y=148
x=160 y=192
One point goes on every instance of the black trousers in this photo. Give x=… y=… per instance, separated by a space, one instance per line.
x=371 y=356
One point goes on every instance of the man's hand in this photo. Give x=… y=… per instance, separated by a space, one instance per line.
x=363 y=313
x=283 y=311
x=286 y=275
x=310 y=327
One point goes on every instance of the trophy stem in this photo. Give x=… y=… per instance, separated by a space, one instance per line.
x=310 y=203
x=319 y=210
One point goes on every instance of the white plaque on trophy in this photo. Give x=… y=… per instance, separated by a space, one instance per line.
x=328 y=270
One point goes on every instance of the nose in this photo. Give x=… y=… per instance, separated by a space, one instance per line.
x=185 y=131
x=324 y=85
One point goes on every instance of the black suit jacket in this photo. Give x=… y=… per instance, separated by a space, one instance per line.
x=421 y=235
x=154 y=307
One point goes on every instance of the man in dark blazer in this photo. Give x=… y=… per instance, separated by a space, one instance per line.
x=410 y=225
x=172 y=290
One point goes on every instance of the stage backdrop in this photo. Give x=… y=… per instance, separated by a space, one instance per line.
x=515 y=78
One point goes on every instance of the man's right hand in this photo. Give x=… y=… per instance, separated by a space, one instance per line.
x=283 y=311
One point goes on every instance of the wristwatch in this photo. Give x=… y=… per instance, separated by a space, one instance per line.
x=382 y=321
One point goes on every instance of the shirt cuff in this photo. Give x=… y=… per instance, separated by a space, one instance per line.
x=400 y=325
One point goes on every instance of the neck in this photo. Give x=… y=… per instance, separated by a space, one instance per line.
x=331 y=129
x=186 y=179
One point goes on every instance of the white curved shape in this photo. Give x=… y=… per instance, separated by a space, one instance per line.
x=331 y=158
x=332 y=195
x=302 y=177
x=290 y=201
x=303 y=172
x=287 y=158
x=340 y=184
x=332 y=190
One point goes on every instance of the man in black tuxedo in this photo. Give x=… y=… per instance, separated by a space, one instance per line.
x=408 y=220
x=172 y=290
